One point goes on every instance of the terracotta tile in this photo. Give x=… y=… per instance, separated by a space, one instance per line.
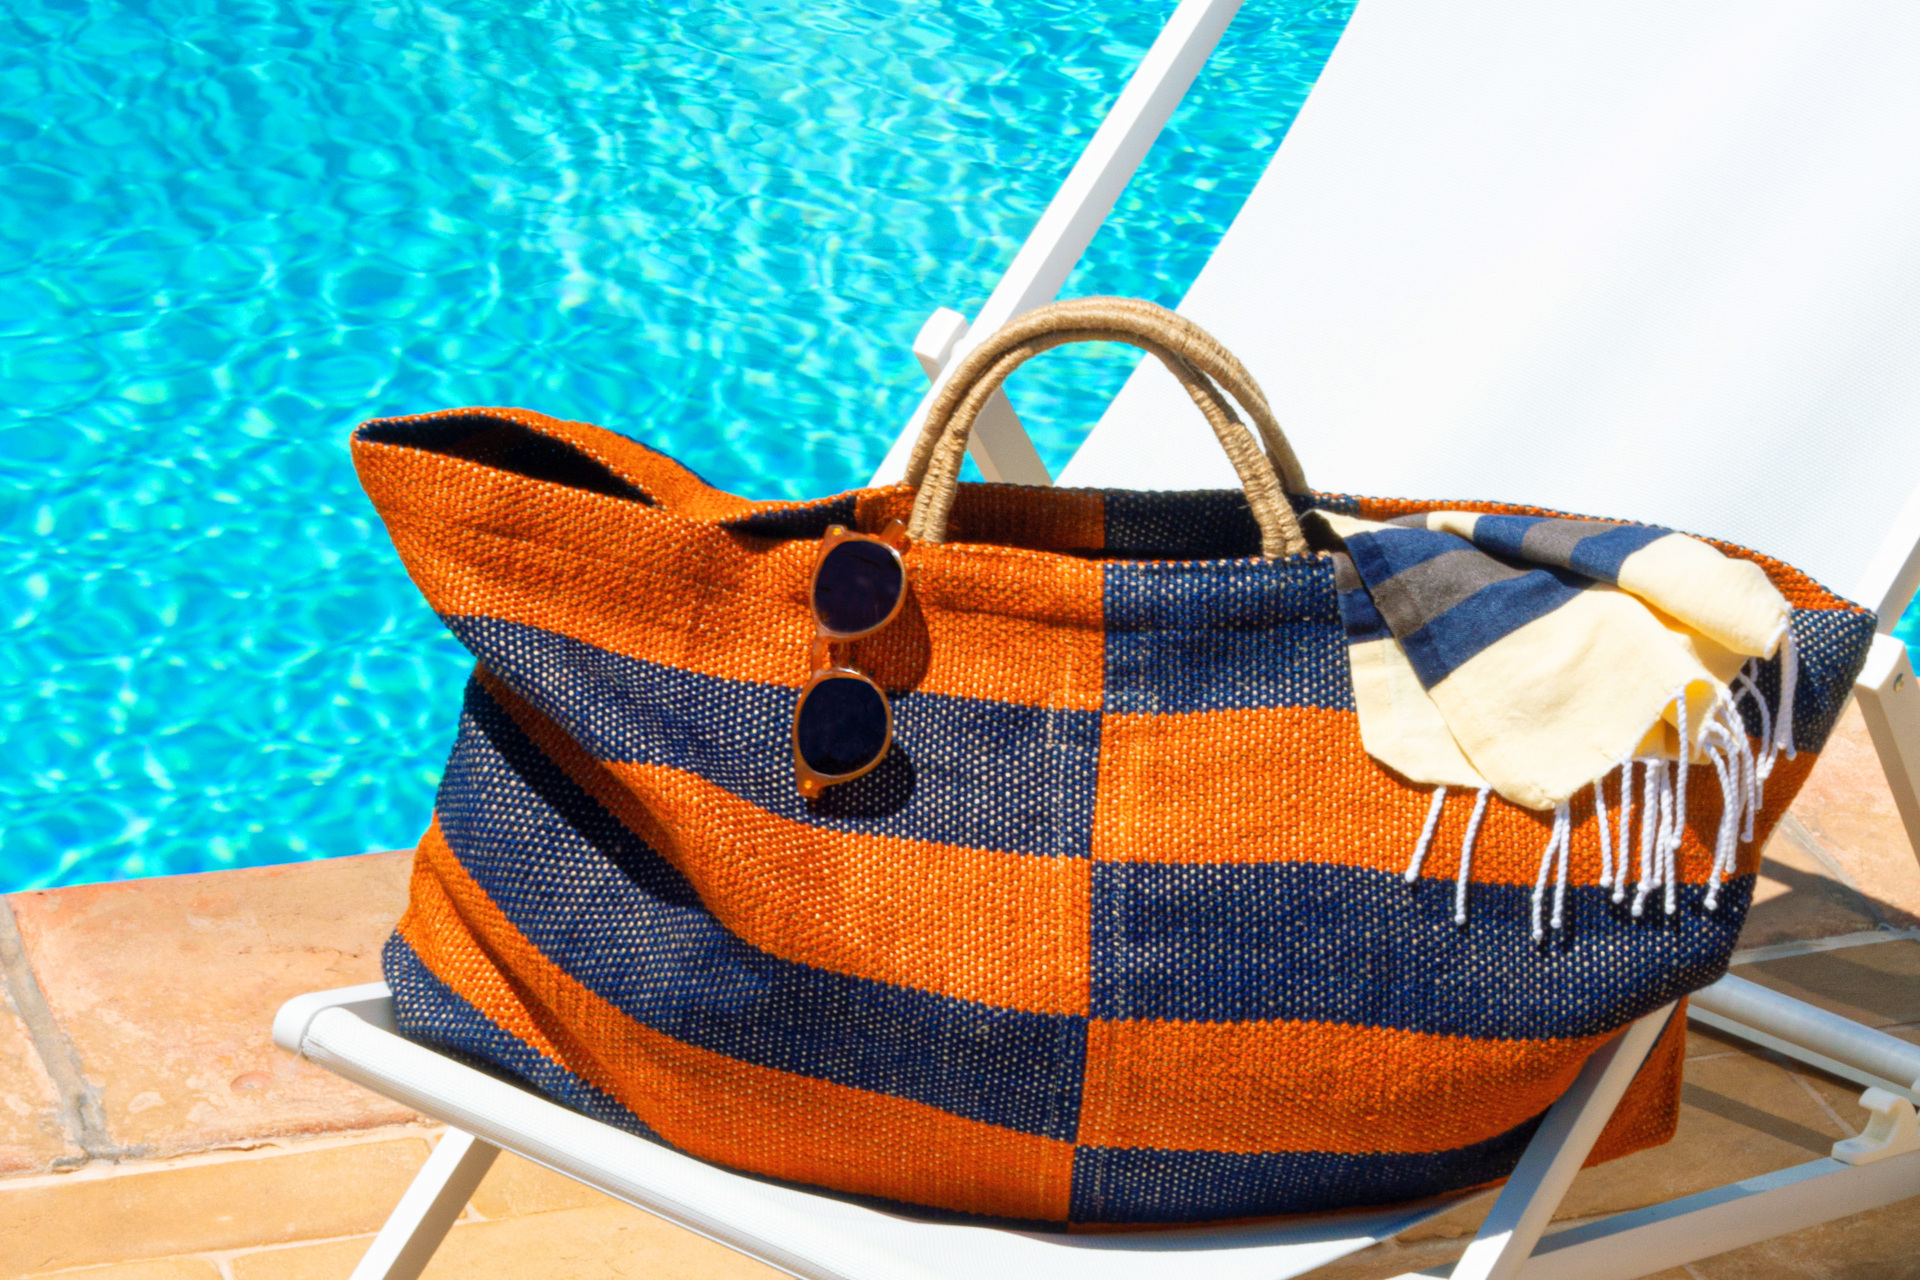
x=1877 y=983
x=1740 y=1116
x=153 y=1269
x=1798 y=897
x=514 y=1188
x=1881 y=1244
x=32 y=1133
x=1846 y=806
x=601 y=1243
x=167 y=989
x=83 y=1219
x=1705 y=1042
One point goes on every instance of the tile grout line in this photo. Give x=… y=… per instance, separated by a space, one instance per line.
x=1816 y=946
x=84 y=1120
x=1810 y=843
x=1820 y=1100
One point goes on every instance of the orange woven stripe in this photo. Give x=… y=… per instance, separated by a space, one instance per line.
x=998 y=623
x=718 y=1108
x=660 y=477
x=611 y=573
x=980 y=622
x=1302 y=1086
x=1186 y=788
x=434 y=926
x=1005 y=929
x=1012 y=515
x=1649 y=1112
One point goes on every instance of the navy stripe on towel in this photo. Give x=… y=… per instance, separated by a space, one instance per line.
x=1602 y=555
x=1491 y=614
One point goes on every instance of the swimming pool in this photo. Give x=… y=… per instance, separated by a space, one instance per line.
x=230 y=230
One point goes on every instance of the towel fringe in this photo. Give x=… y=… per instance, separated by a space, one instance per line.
x=1466 y=856
x=1739 y=768
x=1776 y=728
x=1624 y=865
x=1558 y=847
x=1606 y=835
x=1412 y=872
x=1727 y=837
x=1650 y=830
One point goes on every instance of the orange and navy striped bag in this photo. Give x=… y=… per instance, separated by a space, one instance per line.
x=1116 y=931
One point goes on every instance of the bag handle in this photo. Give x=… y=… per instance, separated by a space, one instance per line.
x=1188 y=352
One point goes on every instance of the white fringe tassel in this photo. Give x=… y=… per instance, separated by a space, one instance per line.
x=1558 y=845
x=1740 y=770
x=1650 y=830
x=1412 y=872
x=1606 y=835
x=1622 y=867
x=1466 y=856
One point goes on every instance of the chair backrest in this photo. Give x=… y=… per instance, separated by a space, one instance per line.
x=1650 y=259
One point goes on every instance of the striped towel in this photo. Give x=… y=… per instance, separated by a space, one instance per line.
x=1532 y=656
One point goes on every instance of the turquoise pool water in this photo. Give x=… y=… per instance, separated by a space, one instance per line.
x=229 y=231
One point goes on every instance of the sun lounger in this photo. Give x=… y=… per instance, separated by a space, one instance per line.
x=1654 y=260
x=1560 y=373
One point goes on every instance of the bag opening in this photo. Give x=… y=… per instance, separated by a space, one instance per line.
x=505 y=445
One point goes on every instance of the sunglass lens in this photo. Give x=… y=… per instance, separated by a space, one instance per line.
x=858 y=585
x=842 y=726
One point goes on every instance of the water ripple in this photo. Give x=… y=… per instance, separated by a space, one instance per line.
x=230 y=229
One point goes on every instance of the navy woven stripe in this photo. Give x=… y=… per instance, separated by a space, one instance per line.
x=1832 y=646
x=1196 y=524
x=1211 y=637
x=1242 y=943
x=962 y=771
x=1503 y=535
x=1602 y=555
x=1141 y=1185
x=431 y=1013
x=1491 y=614
x=605 y=908
x=1202 y=524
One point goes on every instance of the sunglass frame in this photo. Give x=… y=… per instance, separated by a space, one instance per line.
x=811 y=781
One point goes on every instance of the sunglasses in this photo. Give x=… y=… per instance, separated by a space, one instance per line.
x=843 y=723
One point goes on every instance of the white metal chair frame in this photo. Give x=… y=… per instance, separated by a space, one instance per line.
x=351 y=1031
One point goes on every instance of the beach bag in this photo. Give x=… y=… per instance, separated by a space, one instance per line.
x=1120 y=929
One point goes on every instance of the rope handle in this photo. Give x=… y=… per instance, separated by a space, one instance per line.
x=1202 y=366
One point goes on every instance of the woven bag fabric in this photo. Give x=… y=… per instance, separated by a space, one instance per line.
x=1116 y=934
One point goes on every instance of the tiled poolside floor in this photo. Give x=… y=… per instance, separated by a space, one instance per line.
x=149 y=1130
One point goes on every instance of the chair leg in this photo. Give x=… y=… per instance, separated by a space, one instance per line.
x=426 y=1212
x=1000 y=445
x=1890 y=704
x=1558 y=1149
